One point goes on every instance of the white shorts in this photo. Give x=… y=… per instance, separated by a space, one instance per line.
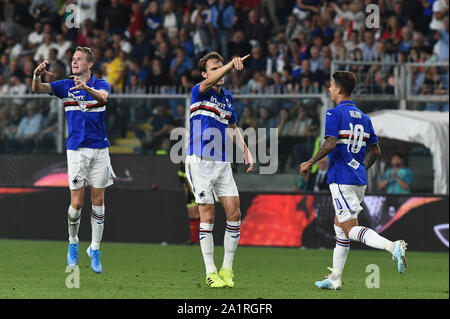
x=89 y=166
x=210 y=179
x=347 y=200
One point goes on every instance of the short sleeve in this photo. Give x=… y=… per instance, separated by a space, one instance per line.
x=233 y=117
x=195 y=92
x=58 y=88
x=103 y=85
x=373 y=138
x=331 y=123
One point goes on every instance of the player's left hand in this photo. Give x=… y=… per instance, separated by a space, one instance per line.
x=79 y=85
x=248 y=159
x=305 y=168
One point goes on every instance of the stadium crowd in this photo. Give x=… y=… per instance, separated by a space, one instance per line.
x=153 y=47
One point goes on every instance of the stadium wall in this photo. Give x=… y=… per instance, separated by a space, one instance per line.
x=147 y=205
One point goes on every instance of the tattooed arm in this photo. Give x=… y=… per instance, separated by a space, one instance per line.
x=373 y=152
x=324 y=150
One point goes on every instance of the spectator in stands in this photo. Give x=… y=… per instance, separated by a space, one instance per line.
x=406 y=43
x=352 y=13
x=14 y=86
x=62 y=45
x=268 y=9
x=255 y=30
x=305 y=8
x=289 y=82
x=179 y=64
x=442 y=45
x=440 y=10
x=239 y=45
x=171 y=20
x=153 y=18
x=137 y=19
x=368 y=47
x=293 y=27
x=117 y=17
x=398 y=178
x=156 y=76
x=257 y=62
x=116 y=72
x=316 y=61
x=43 y=50
x=134 y=70
x=393 y=30
x=222 y=17
x=202 y=28
x=275 y=59
x=36 y=37
x=25 y=138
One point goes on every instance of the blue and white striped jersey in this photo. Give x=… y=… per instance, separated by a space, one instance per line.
x=85 y=115
x=354 y=132
x=210 y=115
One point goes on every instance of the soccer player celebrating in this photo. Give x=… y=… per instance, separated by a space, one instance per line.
x=88 y=160
x=207 y=167
x=348 y=135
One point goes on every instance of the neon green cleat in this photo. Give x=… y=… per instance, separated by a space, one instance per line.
x=213 y=280
x=227 y=276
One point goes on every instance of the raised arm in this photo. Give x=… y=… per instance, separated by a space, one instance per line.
x=36 y=85
x=219 y=73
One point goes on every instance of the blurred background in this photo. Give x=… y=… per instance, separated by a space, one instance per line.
x=148 y=51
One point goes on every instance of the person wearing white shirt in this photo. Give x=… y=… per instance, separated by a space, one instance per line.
x=440 y=10
x=43 y=50
x=37 y=36
x=87 y=9
x=62 y=45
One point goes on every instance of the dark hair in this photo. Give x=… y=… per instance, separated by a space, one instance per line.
x=209 y=56
x=398 y=155
x=346 y=81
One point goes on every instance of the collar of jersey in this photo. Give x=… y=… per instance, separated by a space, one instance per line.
x=346 y=102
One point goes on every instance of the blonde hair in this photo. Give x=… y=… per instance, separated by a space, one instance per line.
x=88 y=51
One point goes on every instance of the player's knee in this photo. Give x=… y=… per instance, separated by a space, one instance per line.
x=207 y=220
x=76 y=204
x=235 y=215
x=97 y=199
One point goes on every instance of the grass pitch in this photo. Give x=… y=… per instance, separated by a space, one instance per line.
x=37 y=269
